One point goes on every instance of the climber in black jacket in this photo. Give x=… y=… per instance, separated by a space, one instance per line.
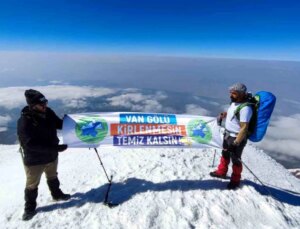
x=37 y=133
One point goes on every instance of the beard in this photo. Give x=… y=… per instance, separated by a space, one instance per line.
x=233 y=100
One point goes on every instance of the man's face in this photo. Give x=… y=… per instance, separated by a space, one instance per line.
x=234 y=96
x=40 y=107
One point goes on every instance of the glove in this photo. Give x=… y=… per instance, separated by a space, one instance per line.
x=220 y=118
x=235 y=143
x=62 y=147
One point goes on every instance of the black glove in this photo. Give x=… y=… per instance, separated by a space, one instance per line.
x=62 y=147
x=235 y=143
x=219 y=120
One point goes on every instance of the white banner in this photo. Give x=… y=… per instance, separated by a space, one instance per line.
x=91 y=130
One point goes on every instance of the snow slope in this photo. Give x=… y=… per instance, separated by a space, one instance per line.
x=156 y=188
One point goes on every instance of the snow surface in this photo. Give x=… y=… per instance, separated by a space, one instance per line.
x=155 y=188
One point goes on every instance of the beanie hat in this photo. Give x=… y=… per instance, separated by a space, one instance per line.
x=34 y=97
x=239 y=87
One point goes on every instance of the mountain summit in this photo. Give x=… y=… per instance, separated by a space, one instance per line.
x=153 y=188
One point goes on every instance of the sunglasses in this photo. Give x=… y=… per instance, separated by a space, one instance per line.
x=42 y=105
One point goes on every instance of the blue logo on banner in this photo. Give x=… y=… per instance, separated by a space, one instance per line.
x=90 y=128
x=148 y=118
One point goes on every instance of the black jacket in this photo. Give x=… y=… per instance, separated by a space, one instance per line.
x=38 y=136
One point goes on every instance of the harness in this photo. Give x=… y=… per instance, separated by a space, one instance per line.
x=230 y=133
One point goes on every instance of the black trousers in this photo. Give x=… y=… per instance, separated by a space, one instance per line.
x=231 y=151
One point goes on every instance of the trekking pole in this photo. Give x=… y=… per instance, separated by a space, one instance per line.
x=263 y=185
x=109 y=181
x=213 y=164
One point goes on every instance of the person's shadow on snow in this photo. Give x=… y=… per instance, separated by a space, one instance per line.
x=279 y=194
x=123 y=191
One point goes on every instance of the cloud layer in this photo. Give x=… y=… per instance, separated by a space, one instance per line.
x=71 y=96
x=195 y=109
x=283 y=135
x=78 y=96
x=4 y=120
x=136 y=101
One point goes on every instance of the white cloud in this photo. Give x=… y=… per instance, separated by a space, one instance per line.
x=294 y=102
x=76 y=97
x=3 y=129
x=285 y=128
x=283 y=135
x=136 y=101
x=76 y=103
x=4 y=120
x=56 y=82
x=207 y=101
x=71 y=96
x=131 y=90
x=196 y=110
x=12 y=97
x=68 y=93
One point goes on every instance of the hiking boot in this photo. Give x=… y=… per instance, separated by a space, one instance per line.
x=222 y=168
x=233 y=185
x=56 y=192
x=28 y=215
x=30 y=203
x=61 y=196
x=215 y=174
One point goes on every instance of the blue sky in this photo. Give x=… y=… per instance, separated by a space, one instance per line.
x=267 y=29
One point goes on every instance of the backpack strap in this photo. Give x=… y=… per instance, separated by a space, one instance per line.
x=239 y=108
